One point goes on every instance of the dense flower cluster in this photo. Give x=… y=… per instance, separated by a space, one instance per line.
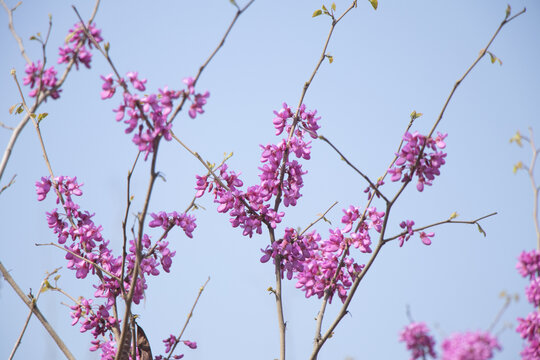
x=469 y=346
x=148 y=113
x=77 y=36
x=45 y=80
x=41 y=80
x=429 y=164
x=460 y=346
x=529 y=328
x=250 y=208
x=418 y=340
x=87 y=252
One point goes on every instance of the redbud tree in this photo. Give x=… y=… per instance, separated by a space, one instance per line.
x=312 y=106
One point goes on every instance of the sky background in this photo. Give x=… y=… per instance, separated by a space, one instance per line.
x=405 y=56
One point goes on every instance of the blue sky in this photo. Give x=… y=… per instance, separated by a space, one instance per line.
x=405 y=56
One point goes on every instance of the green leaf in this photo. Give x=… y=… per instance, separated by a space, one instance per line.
x=481 y=230
x=46 y=286
x=20 y=109
x=107 y=46
x=493 y=57
x=324 y=8
x=333 y=6
x=317 y=13
x=42 y=116
x=33 y=37
x=330 y=58
x=508 y=11
x=454 y=215
x=374 y=3
x=415 y=115
x=233 y=2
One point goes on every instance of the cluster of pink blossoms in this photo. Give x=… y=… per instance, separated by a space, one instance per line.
x=469 y=346
x=76 y=36
x=258 y=197
x=148 y=113
x=46 y=80
x=429 y=164
x=407 y=225
x=418 y=340
x=87 y=252
x=529 y=328
x=170 y=342
x=460 y=346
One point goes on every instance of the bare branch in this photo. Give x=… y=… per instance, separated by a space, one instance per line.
x=31 y=305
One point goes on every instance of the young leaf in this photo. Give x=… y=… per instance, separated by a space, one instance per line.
x=333 y=6
x=42 y=116
x=324 y=8
x=330 y=58
x=481 y=230
x=374 y=3
x=508 y=11
x=12 y=108
x=517 y=139
x=454 y=215
x=317 y=13
x=415 y=115
x=517 y=166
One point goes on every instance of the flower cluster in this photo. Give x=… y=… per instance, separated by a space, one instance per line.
x=429 y=164
x=418 y=340
x=321 y=267
x=88 y=252
x=168 y=221
x=320 y=273
x=529 y=328
x=148 y=113
x=41 y=80
x=251 y=208
x=45 y=80
x=469 y=346
x=293 y=250
x=170 y=342
x=75 y=38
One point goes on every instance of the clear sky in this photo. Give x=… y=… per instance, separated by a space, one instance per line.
x=405 y=56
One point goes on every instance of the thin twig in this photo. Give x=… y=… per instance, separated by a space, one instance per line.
x=11 y=182
x=36 y=312
x=500 y=313
x=13 y=32
x=371 y=184
x=319 y=218
x=6 y=126
x=205 y=64
x=34 y=302
x=124 y=222
x=190 y=315
x=448 y=221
